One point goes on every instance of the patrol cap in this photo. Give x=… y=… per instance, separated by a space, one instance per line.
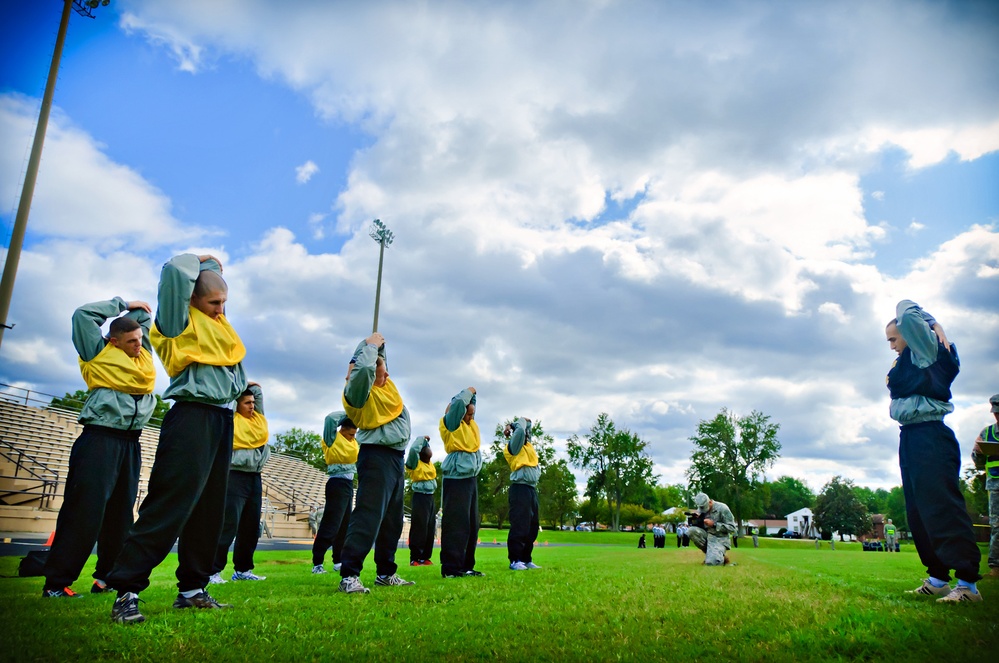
x=995 y=403
x=701 y=502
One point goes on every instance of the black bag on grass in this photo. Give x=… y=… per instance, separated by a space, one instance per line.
x=32 y=564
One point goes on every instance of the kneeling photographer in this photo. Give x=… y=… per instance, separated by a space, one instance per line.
x=710 y=532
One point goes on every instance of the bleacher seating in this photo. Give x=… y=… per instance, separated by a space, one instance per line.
x=35 y=445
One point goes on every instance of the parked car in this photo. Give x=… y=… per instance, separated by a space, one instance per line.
x=791 y=534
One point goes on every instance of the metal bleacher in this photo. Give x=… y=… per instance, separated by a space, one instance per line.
x=35 y=444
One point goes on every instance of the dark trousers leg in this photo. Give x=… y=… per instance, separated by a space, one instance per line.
x=118 y=514
x=186 y=498
x=430 y=535
x=242 y=522
x=101 y=485
x=248 y=532
x=390 y=531
x=423 y=518
x=377 y=517
x=459 y=525
x=237 y=492
x=336 y=518
x=930 y=460
x=521 y=513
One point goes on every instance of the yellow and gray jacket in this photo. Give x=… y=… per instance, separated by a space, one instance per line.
x=121 y=388
x=461 y=440
x=203 y=357
x=339 y=452
x=521 y=456
x=423 y=476
x=250 y=450
x=364 y=403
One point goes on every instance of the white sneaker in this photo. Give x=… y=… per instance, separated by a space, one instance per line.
x=336 y=567
x=929 y=589
x=216 y=579
x=532 y=565
x=518 y=566
x=247 y=575
x=318 y=568
x=961 y=594
x=352 y=585
x=393 y=581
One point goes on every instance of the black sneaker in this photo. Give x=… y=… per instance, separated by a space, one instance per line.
x=64 y=593
x=474 y=574
x=98 y=588
x=202 y=600
x=126 y=610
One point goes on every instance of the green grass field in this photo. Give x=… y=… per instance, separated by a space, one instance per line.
x=783 y=601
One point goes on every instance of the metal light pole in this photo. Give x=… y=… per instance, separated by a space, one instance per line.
x=84 y=8
x=384 y=237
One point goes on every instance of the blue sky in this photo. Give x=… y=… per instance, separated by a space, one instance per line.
x=650 y=209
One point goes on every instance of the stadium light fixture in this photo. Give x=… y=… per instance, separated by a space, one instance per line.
x=84 y=8
x=381 y=234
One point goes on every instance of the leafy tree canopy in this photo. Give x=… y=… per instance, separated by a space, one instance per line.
x=730 y=455
x=837 y=509
x=302 y=444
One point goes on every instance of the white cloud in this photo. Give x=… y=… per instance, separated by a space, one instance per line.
x=743 y=277
x=305 y=172
x=80 y=192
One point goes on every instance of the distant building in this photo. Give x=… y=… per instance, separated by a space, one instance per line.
x=802 y=522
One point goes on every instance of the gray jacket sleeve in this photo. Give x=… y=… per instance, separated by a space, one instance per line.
x=87 y=321
x=916 y=330
x=456 y=409
x=176 y=287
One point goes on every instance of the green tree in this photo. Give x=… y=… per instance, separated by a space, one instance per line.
x=634 y=515
x=617 y=461
x=787 y=495
x=730 y=454
x=895 y=508
x=876 y=501
x=674 y=494
x=302 y=444
x=837 y=509
x=592 y=511
x=976 y=497
x=558 y=497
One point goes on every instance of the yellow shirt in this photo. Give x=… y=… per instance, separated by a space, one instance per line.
x=527 y=457
x=464 y=438
x=113 y=369
x=384 y=404
x=205 y=340
x=341 y=452
x=249 y=432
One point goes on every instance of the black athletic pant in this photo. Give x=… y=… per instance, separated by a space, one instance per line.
x=377 y=516
x=243 y=498
x=930 y=460
x=422 y=528
x=186 y=499
x=97 y=504
x=336 y=518
x=524 y=522
x=459 y=525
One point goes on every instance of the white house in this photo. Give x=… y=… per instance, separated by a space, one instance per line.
x=800 y=521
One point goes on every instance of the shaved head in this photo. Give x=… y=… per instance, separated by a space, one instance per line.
x=209 y=282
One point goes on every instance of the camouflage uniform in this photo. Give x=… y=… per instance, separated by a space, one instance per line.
x=714 y=540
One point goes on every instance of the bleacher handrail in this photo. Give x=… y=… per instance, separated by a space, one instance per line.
x=29 y=397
